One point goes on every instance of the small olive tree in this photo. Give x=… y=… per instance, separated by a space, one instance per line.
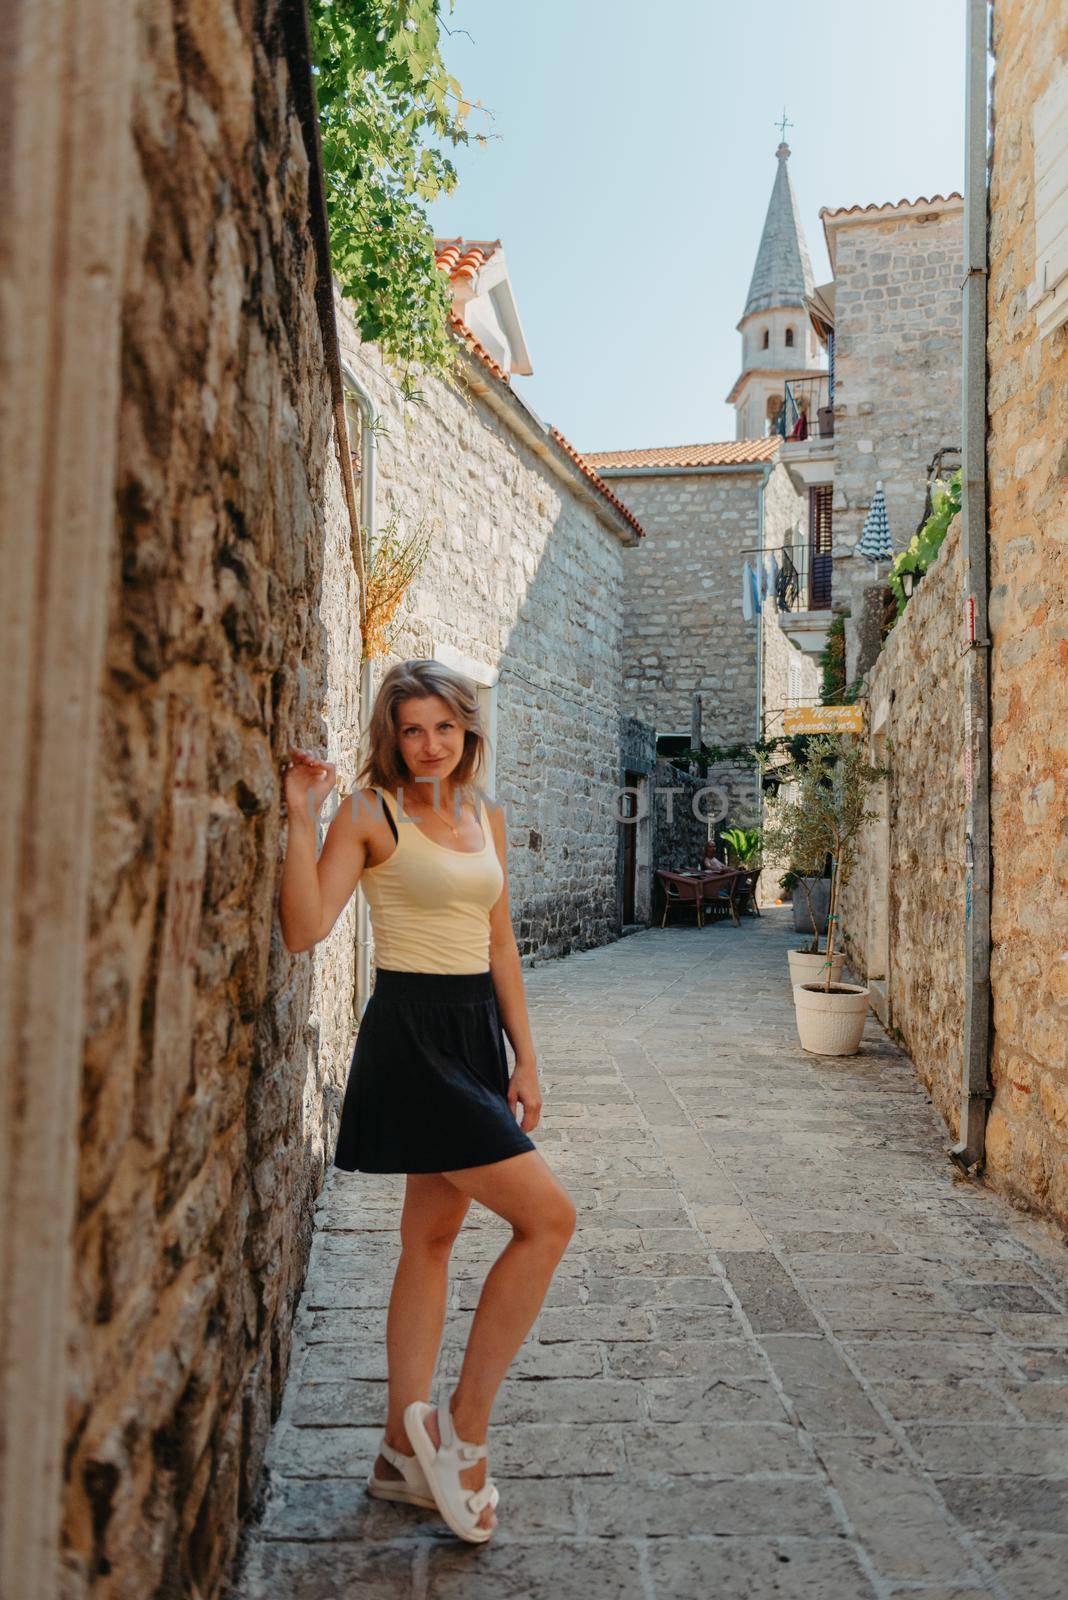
x=825 y=815
x=793 y=830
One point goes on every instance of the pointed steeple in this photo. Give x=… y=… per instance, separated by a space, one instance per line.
x=783 y=273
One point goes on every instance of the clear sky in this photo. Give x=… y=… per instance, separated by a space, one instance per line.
x=631 y=164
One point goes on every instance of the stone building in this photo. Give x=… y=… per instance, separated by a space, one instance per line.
x=523 y=591
x=779 y=343
x=706 y=510
x=905 y=915
x=714 y=512
x=1027 y=411
x=180 y=579
x=903 y=910
x=891 y=399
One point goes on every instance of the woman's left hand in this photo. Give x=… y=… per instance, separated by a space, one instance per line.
x=525 y=1090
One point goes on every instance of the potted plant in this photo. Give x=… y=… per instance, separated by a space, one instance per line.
x=831 y=1014
x=743 y=846
x=794 y=833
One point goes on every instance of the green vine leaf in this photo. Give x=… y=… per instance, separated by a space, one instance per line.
x=388 y=111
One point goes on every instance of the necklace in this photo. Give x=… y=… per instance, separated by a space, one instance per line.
x=454 y=831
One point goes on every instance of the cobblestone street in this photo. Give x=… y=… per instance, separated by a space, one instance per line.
x=781 y=1353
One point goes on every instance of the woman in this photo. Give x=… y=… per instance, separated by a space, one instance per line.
x=428 y=1092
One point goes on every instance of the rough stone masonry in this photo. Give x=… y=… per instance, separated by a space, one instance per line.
x=212 y=1060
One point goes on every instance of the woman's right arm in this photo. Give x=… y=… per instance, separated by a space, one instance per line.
x=314 y=893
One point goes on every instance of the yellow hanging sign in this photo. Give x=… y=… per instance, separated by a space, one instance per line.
x=824 y=719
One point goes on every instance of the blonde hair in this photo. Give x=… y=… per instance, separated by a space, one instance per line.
x=383 y=766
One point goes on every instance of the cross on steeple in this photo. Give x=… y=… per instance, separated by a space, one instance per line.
x=783 y=124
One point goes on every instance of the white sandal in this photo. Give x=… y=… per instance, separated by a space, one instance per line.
x=412 y=1490
x=442 y=1466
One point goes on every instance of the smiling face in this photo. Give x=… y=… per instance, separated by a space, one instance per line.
x=430 y=737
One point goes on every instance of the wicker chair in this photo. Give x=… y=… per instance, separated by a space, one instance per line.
x=719 y=894
x=680 y=890
x=748 y=877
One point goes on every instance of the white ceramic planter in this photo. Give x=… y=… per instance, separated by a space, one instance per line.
x=807 y=968
x=831 y=1024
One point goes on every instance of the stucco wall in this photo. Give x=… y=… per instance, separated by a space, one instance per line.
x=213 y=1059
x=903 y=912
x=897 y=373
x=1027 y=1134
x=525 y=575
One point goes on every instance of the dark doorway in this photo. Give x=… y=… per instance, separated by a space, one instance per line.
x=629 y=813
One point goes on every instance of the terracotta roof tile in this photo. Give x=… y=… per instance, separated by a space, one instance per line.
x=732 y=453
x=891 y=205
x=462 y=258
x=584 y=466
x=463 y=332
x=459 y=326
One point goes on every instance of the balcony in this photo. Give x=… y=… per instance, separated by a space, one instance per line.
x=804 y=580
x=804 y=589
x=807 y=411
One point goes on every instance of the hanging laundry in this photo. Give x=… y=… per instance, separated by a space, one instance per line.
x=771 y=574
x=757 y=593
x=748 y=581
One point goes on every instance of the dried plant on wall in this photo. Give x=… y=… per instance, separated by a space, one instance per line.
x=391 y=568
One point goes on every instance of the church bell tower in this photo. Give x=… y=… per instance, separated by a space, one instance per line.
x=778 y=341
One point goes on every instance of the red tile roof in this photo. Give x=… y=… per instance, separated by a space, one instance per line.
x=462 y=258
x=733 y=453
x=463 y=332
x=893 y=205
x=583 y=464
x=459 y=327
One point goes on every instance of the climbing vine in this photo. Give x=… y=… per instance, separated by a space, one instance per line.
x=388 y=110
x=924 y=546
x=756 y=753
x=833 y=660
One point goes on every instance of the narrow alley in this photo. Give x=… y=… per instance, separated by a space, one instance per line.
x=783 y=1349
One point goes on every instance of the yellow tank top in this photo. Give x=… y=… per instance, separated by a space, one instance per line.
x=430 y=904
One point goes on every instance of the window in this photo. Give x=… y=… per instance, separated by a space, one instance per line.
x=766 y=339
x=1048 y=293
x=819 y=546
x=789 y=338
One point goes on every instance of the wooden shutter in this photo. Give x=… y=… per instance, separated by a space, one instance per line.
x=819 y=547
x=1048 y=294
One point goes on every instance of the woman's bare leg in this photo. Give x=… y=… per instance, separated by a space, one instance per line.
x=523 y=1191
x=433 y=1214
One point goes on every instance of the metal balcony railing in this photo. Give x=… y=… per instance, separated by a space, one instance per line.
x=807 y=411
x=804 y=579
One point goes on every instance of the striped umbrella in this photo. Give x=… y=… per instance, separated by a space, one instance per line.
x=875 y=541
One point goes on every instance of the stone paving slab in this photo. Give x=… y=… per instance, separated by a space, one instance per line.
x=789 y=1353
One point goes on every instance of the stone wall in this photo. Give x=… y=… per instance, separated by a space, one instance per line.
x=1027 y=1133
x=897 y=373
x=683 y=624
x=525 y=577
x=903 y=912
x=213 y=1059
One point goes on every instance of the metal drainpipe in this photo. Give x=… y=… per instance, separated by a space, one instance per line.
x=294 y=19
x=368 y=476
x=975 y=1082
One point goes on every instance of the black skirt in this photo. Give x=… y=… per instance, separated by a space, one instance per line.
x=428 y=1084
